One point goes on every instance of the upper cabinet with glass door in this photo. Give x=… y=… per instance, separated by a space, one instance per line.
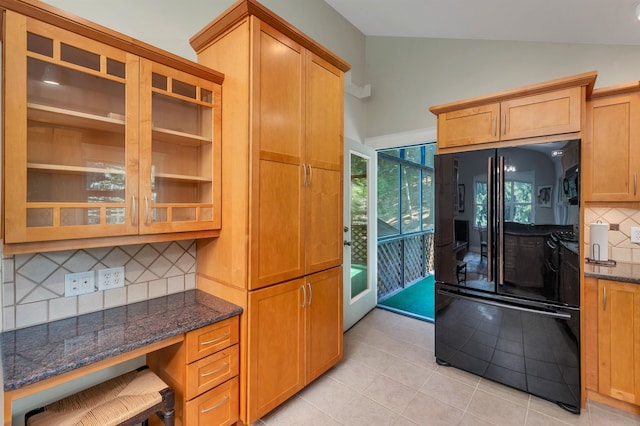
x=70 y=109
x=179 y=163
x=103 y=146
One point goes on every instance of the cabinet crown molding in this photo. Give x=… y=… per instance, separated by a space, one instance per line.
x=245 y=8
x=587 y=79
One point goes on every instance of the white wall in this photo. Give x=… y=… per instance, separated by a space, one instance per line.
x=408 y=75
x=168 y=24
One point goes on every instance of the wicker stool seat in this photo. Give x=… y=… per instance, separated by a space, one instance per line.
x=124 y=400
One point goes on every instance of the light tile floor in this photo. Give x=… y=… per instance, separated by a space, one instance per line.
x=389 y=377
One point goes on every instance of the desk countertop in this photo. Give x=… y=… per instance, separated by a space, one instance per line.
x=40 y=352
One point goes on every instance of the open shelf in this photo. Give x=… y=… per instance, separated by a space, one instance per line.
x=179 y=138
x=74 y=169
x=66 y=117
x=184 y=178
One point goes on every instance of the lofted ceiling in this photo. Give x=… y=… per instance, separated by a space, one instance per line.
x=568 y=21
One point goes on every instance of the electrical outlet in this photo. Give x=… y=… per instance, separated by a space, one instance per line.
x=111 y=278
x=79 y=283
x=635 y=234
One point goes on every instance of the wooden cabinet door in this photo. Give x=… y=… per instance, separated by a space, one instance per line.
x=278 y=177
x=619 y=340
x=323 y=236
x=278 y=107
x=611 y=152
x=323 y=322
x=324 y=114
x=545 y=114
x=469 y=126
x=278 y=225
x=324 y=160
x=276 y=346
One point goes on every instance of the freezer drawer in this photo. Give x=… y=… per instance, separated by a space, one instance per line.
x=523 y=346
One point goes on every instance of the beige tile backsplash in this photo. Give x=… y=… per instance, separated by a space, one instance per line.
x=620 y=247
x=33 y=284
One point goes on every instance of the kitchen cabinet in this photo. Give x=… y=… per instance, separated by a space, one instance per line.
x=295 y=334
x=618 y=340
x=282 y=164
x=104 y=142
x=203 y=372
x=611 y=131
x=545 y=110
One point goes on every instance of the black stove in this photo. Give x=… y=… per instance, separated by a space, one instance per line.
x=568 y=236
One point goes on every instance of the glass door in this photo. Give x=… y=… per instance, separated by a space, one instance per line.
x=360 y=232
x=179 y=148
x=68 y=153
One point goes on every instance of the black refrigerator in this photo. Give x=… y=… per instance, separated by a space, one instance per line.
x=507 y=294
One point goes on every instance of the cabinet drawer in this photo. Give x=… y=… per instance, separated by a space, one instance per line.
x=210 y=339
x=209 y=372
x=218 y=407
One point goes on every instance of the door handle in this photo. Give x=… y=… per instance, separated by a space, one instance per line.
x=489 y=218
x=500 y=241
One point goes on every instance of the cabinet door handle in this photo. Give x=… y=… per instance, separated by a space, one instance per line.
x=310 y=294
x=495 y=126
x=504 y=124
x=134 y=210
x=310 y=174
x=604 y=298
x=217 y=370
x=213 y=407
x=146 y=210
x=304 y=175
x=217 y=339
x=635 y=183
x=304 y=296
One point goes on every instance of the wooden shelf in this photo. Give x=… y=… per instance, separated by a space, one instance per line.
x=180 y=138
x=74 y=169
x=186 y=178
x=66 y=117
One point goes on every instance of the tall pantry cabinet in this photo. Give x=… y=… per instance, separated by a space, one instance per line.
x=279 y=253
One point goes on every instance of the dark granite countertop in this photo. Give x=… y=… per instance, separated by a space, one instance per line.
x=39 y=352
x=628 y=272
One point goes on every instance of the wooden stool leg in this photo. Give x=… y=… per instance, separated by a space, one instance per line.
x=169 y=414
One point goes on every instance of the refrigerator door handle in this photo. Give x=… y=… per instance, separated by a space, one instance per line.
x=489 y=219
x=501 y=221
x=557 y=315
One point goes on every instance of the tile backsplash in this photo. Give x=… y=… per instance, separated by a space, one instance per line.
x=33 y=284
x=620 y=247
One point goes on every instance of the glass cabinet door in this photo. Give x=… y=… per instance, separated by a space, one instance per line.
x=68 y=161
x=180 y=141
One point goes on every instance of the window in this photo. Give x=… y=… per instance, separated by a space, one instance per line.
x=518 y=202
x=480 y=201
x=388 y=197
x=405 y=190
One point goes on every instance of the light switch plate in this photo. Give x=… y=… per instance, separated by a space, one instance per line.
x=635 y=234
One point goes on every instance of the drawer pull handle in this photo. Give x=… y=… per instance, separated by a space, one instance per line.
x=206 y=410
x=217 y=370
x=217 y=339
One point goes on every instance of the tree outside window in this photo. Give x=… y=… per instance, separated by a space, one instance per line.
x=405 y=190
x=518 y=202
